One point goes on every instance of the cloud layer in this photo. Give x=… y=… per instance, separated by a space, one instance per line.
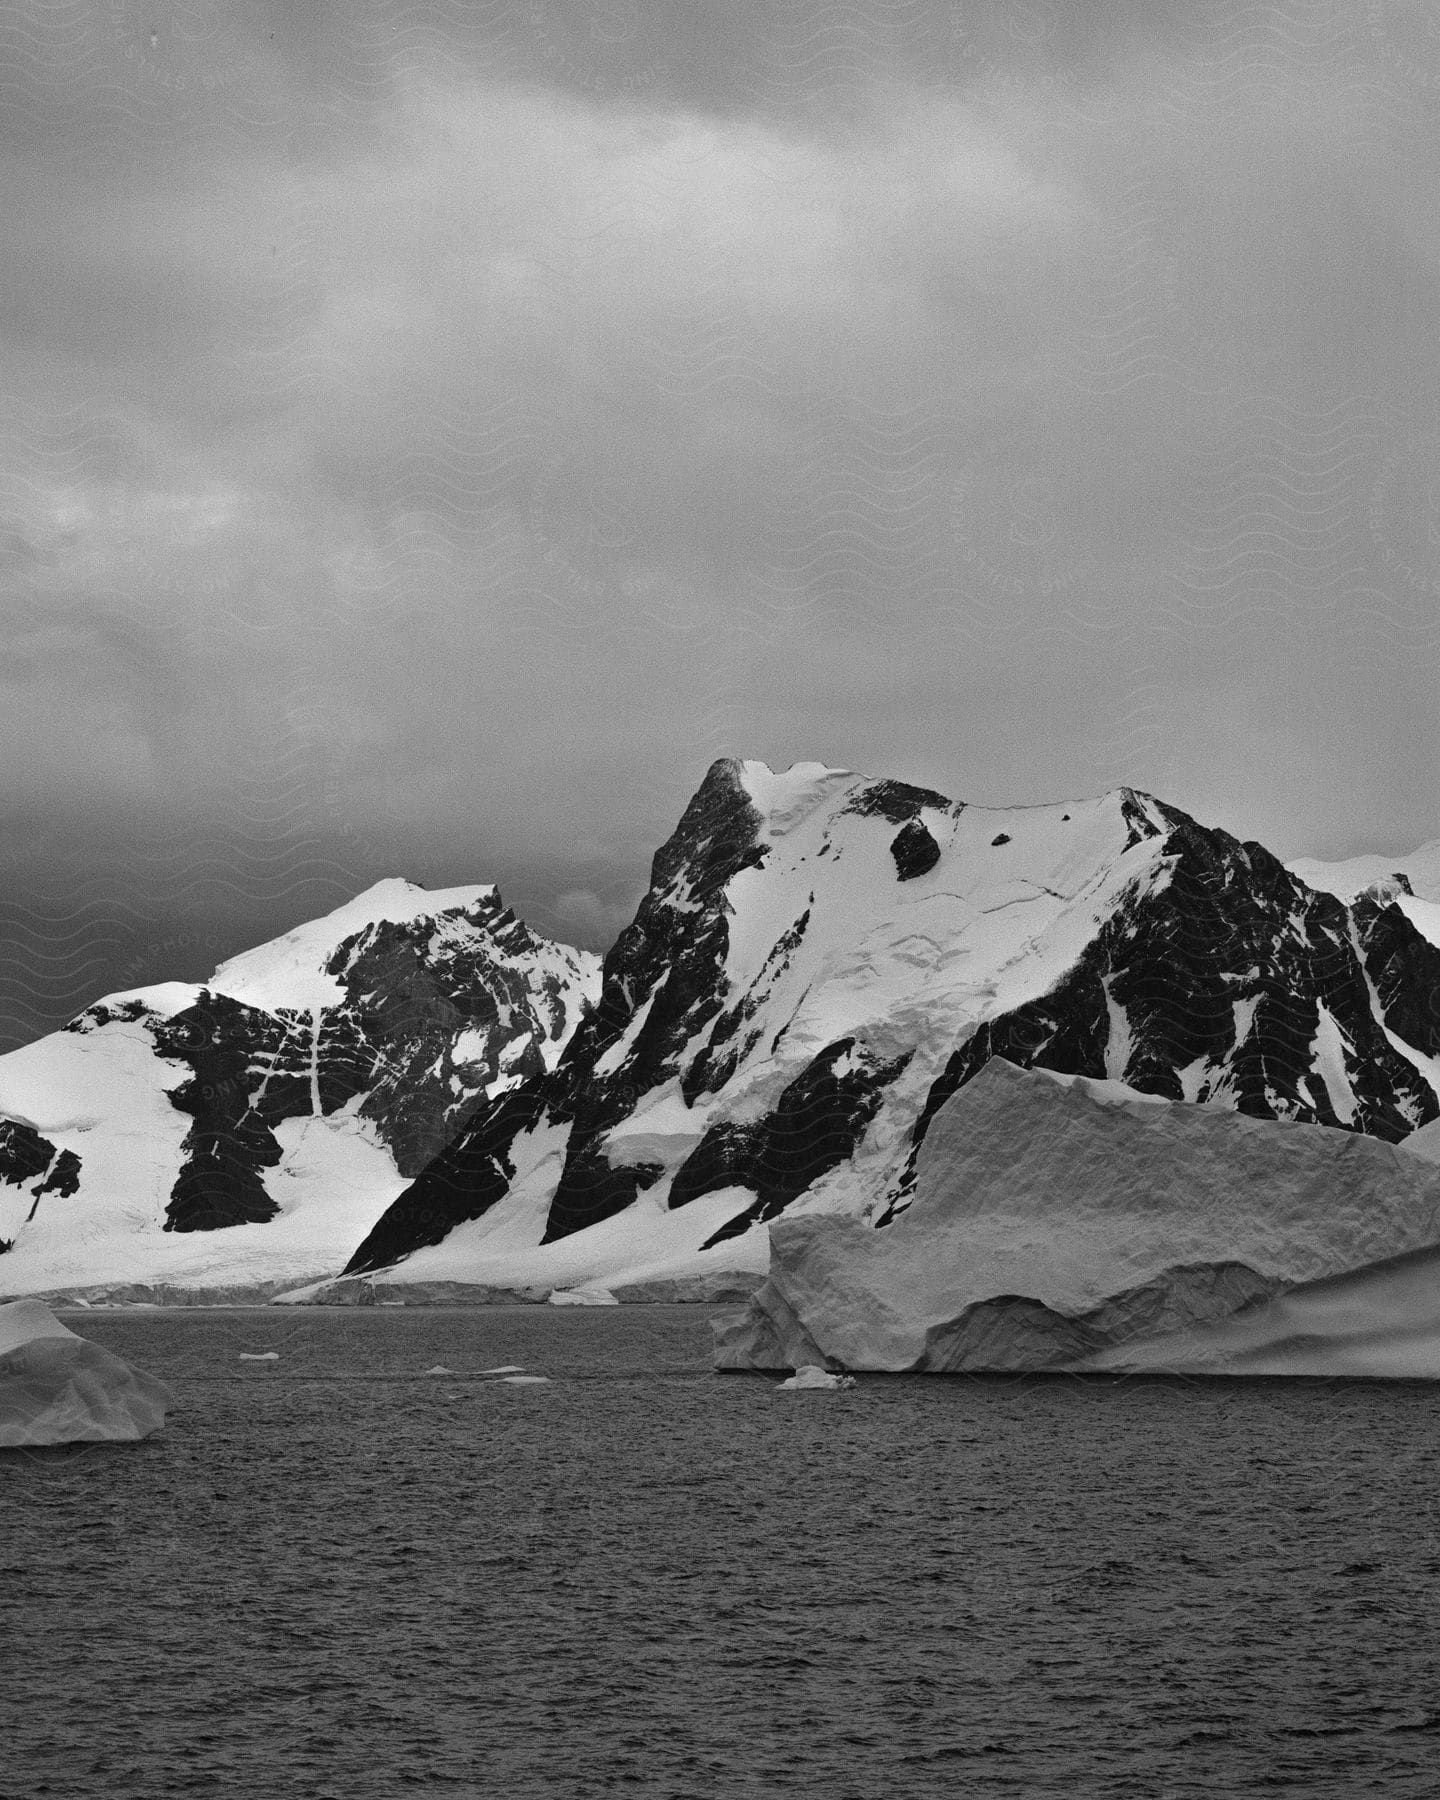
x=430 y=440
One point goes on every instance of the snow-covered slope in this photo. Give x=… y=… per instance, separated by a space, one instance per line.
x=1058 y=1221
x=252 y=1129
x=823 y=959
x=1411 y=883
x=1419 y=871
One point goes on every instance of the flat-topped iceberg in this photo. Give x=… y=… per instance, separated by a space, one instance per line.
x=1060 y=1222
x=57 y=1388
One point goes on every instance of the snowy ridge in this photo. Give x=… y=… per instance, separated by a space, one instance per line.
x=292 y=972
x=1419 y=868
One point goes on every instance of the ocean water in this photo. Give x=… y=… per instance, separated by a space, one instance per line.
x=336 y=1575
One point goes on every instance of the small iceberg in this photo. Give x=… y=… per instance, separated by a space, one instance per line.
x=439 y=1369
x=521 y=1380
x=504 y=1369
x=259 y=1356
x=811 y=1375
x=583 y=1296
x=57 y=1388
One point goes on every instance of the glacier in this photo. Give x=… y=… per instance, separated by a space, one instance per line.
x=58 y=1388
x=1063 y=1223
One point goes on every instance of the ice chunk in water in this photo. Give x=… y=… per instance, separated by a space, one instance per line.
x=57 y=1388
x=811 y=1375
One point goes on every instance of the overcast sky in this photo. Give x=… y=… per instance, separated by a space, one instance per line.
x=433 y=433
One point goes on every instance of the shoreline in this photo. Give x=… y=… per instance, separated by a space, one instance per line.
x=724 y=1287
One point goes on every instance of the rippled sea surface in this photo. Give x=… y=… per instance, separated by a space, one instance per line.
x=337 y=1575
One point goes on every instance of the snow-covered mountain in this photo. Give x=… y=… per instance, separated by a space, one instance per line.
x=823 y=959
x=252 y=1128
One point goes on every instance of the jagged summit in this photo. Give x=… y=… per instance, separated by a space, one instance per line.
x=784 y=797
x=292 y=972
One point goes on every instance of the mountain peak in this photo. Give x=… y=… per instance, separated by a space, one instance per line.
x=282 y=1104
x=802 y=783
x=825 y=957
x=290 y=971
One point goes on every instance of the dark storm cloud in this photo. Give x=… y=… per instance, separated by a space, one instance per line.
x=432 y=437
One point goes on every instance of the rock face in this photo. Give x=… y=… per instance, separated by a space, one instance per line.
x=253 y=1128
x=55 y=1388
x=1064 y=1223
x=823 y=960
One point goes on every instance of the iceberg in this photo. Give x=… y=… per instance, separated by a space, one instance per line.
x=1380 y=1323
x=1066 y=1223
x=812 y=1377
x=57 y=1388
x=583 y=1296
